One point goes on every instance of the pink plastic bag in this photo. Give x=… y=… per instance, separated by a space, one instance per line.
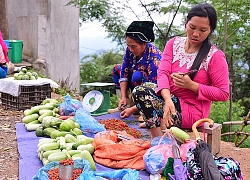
x=185 y=147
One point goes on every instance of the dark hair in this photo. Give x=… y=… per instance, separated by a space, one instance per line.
x=203 y=10
x=137 y=39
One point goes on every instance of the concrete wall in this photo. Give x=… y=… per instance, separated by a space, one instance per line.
x=50 y=31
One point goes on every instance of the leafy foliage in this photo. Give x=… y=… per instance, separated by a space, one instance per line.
x=220 y=113
x=65 y=88
x=98 y=67
x=231 y=35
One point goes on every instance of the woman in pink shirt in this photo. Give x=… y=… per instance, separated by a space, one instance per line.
x=181 y=99
x=3 y=58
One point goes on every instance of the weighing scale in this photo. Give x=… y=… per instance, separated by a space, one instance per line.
x=97 y=102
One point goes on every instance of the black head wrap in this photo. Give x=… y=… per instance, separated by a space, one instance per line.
x=141 y=29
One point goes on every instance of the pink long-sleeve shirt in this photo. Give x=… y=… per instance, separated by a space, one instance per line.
x=213 y=79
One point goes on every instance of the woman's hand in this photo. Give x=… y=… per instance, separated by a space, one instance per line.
x=122 y=102
x=184 y=81
x=127 y=112
x=169 y=110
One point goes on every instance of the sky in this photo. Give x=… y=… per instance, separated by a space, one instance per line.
x=92 y=36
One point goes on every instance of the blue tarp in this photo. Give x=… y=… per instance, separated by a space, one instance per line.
x=29 y=163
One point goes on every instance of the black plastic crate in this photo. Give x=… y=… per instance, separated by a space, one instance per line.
x=29 y=96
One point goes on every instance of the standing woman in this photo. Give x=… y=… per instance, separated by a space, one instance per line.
x=139 y=65
x=3 y=58
x=182 y=99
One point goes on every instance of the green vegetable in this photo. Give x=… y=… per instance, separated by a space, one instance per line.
x=73 y=152
x=50 y=146
x=35 y=74
x=50 y=121
x=179 y=134
x=40 y=119
x=62 y=133
x=32 y=127
x=34 y=122
x=62 y=143
x=33 y=110
x=46 y=106
x=88 y=139
x=80 y=142
x=48 y=131
x=45 y=161
x=66 y=125
x=76 y=131
x=76 y=156
x=24 y=70
x=57 y=156
x=39 y=132
x=44 y=141
x=53 y=134
x=86 y=155
x=77 y=125
x=89 y=147
x=70 y=138
x=47 y=153
x=43 y=111
x=55 y=122
x=30 y=118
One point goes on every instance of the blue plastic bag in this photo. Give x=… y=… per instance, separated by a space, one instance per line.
x=87 y=123
x=78 y=164
x=123 y=174
x=69 y=106
x=165 y=140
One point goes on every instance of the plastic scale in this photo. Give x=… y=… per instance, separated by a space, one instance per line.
x=97 y=102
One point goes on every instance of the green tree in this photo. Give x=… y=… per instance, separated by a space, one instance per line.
x=231 y=35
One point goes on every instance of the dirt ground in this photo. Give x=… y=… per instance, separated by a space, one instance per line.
x=9 y=156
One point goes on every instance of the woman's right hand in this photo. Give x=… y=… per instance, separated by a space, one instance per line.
x=123 y=102
x=169 y=110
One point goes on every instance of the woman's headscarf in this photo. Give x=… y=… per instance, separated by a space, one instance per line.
x=142 y=30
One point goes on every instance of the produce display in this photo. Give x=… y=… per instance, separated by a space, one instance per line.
x=34 y=116
x=75 y=147
x=119 y=125
x=24 y=74
x=63 y=136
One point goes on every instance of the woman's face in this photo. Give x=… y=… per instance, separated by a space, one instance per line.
x=136 y=48
x=198 y=28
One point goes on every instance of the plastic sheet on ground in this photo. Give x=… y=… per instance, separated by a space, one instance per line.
x=29 y=163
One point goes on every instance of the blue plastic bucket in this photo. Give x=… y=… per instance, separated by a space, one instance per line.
x=7 y=42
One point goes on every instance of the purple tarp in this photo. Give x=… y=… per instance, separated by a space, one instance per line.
x=29 y=163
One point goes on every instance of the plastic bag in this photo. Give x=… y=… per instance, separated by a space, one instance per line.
x=123 y=174
x=111 y=151
x=78 y=164
x=156 y=157
x=184 y=148
x=165 y=140
x=69 y=106
x=87 y=123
